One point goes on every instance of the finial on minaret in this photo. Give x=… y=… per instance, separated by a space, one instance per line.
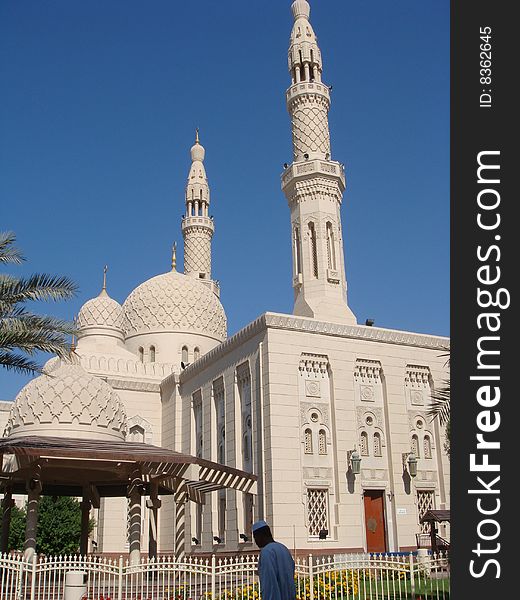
x=197 y=135
x=174 y=256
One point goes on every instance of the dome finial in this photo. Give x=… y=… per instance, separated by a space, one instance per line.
x=174 y=256
x=104 y=288
x=197 y=135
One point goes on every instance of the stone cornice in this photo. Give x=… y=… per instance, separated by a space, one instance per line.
x=136 y=386
x=304 y=324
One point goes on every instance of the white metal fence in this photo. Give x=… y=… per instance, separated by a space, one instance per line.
x=340 y=577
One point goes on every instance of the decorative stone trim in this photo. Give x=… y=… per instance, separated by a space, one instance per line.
x=293 y=323
x=316 y=364
x=135 y=386
x=367 y=371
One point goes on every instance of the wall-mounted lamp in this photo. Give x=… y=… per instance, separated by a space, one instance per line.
x=195 y=540
x=410 y=462
x=244 y=537
x=354 y=461
x=285 y=165
x=306 y=156
x=390 y=495
x=323 y=534
x=217 y=539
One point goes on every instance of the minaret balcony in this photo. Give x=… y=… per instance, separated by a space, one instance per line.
x=198 y=221
x=308 y=87
x=305 y=169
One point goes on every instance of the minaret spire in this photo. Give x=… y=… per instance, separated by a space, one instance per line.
x=313 y=184
x=197 y=225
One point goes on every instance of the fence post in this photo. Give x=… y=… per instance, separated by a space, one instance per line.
x=120 y=579
x=311 y=578
x=412 y=576
x=33 y=576
x=213 y=576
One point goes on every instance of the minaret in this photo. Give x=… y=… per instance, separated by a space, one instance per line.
x=197 y=225
x=313 y=184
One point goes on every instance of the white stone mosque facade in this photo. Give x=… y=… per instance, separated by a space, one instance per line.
x=297 y=399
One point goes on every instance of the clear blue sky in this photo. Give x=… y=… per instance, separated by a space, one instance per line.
x=99 y=105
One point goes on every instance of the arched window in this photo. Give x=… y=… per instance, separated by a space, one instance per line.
x=196 y=353
x=222 y=447
x=135 y=434
x=308 y=441
x=427 y=447
x=364 y=443
x=313 y=249
x=331 y=250
x=415 y=446
x=322 y=442
x=297 y=252
x=377 y=444
x=140 y=353
x=152 y=353
x=184 y=354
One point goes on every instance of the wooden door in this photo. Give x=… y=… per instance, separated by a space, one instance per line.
x=375 y=520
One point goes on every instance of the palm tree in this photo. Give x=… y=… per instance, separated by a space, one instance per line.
x=23 y=333
x=440 y=408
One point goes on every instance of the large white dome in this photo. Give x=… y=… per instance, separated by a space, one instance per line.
x=68 y=402
x=174 y=302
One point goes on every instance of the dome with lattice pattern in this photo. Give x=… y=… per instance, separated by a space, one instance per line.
x=174 y=302
x=67 y=402
x=102 y=311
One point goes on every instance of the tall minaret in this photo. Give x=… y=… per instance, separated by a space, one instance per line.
x=197 y=225
x=313 y=184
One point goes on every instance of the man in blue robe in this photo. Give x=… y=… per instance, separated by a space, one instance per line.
x=275 y=565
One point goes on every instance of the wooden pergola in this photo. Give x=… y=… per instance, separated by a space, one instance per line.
x=95 y=469
x=432 y=517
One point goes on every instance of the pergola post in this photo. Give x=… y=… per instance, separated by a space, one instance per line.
x=134 y=514
x=153 y=503
x=180 y=499
x=85 y=521
x=7 y=507
x=34 y=488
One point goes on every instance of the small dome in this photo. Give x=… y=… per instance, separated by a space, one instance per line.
x=174 y=302
x=300 y=8
x=102 y=311
x=197 y=152
x=68 y=402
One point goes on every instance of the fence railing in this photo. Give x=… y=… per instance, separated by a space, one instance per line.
x=339 y=577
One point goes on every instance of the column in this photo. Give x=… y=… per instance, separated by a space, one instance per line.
x=34 y=488
x=134 y=512
x=153 y=503
x=85 y=521
x=7 y=506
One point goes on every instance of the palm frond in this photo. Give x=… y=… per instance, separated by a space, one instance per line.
x=39 y=286
x=19 y=363
x=8 y=252
x=33 y=333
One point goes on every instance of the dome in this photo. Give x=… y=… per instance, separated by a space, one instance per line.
x=300 y=8
x=174 y=302
x=197 y=152
x=67 y=403
x=102 y=311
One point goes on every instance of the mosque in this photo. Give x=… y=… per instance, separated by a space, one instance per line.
x=329 y=414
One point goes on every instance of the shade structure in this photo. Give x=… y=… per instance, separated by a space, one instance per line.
x=65 y=466
x=95 y=469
